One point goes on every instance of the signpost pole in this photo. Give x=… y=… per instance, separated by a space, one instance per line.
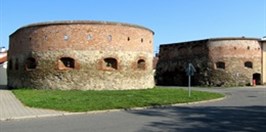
x=189 y=85
x=190 y=72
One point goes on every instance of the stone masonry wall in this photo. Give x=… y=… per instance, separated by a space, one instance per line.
x=88 y=45
x=174 y=59
x=206 y=56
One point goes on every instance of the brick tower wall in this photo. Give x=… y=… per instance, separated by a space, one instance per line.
x=242 y=59
x=81 y=55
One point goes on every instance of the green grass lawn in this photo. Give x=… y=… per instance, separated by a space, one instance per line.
x=75 y=100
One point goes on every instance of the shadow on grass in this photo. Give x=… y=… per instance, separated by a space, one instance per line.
x=205 y=119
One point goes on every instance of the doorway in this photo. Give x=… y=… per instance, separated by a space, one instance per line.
x=257 y=78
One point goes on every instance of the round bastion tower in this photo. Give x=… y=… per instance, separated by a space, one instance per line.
x=84 y=55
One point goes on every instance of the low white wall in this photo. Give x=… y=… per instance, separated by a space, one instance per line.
x=3 y=75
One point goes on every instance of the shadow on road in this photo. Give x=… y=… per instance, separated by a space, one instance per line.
x=187 y=119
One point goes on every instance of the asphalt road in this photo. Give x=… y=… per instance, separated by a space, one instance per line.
x=243 y=110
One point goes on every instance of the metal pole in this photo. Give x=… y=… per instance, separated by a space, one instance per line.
x=189 y=84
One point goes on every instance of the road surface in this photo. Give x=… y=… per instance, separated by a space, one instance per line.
x=243 y=110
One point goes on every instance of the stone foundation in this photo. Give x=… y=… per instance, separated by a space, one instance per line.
x=90 y=74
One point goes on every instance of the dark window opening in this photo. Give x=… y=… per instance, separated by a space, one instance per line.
x=248 y=47
x=141 y=64
x=16 y=64
x=10 y=64
x=248 y=64
x=128 y=38
x=68 y=62
x=141 y=40
x=220 y=65
x=257 y=78
x=31 y=63
x=110 y=63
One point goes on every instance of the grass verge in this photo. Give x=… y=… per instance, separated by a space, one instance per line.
x=78 y=101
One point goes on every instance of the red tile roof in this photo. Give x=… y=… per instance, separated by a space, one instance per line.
x=3 y=58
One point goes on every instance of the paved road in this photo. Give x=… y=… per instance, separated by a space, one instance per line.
x=243 y=110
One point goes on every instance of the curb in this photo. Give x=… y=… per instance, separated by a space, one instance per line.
x=178 y=104
x=111 y=110
x=199 y=102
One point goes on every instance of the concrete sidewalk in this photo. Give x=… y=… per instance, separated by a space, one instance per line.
x=12 y=108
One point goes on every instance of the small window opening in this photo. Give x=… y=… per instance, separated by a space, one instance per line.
x=109 y=38
x=31 y=63
x=248 y=64
x=110 y=63
x=220 y=65
x=141 y=64
x=30 y=38
x=66 y=37
x=248 y=48
x=141 y=40
x=17 y=64
x=10 y=64
x=68 y=62
x=234 y=48
x=128 y=38
x=89 y=37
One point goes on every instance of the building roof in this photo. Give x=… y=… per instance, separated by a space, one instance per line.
x=3 y=57
x=82 y=22
x=263 y=39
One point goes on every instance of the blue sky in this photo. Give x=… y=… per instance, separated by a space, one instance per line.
x=171 y=20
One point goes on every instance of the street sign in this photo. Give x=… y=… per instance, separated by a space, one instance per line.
x=190 y=70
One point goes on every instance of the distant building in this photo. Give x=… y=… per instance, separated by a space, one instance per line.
x=218 y=62
x=3 y=66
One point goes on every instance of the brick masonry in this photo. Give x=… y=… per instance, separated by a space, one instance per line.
x=88 y=43
x=206 y=55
